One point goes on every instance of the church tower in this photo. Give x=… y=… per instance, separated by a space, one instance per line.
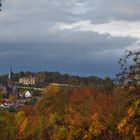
x=10 y=78
x=10 y=83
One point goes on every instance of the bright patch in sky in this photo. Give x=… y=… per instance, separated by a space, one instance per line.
x=114 y=28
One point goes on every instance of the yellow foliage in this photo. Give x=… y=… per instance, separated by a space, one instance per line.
x=21 y=122
x=52 y=89
x=121 y=125
x=130 y=112
x=53 y=117
x=20 y=117
x=129 y=124
x=61 y=134
x=96 y=127
x=23 y=127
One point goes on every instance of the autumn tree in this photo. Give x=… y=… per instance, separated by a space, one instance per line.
x=8 y=128
x=129 y=126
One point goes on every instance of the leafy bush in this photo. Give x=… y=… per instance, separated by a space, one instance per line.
x=2 y=95
x=12 y=109
x=37 y=94
x=31 y=101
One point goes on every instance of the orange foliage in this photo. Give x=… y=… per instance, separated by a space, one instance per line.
x=29 y=110
x=12 y=98
x=23 y=127
x=130 y=112
x=90 y=97
x=129 y=125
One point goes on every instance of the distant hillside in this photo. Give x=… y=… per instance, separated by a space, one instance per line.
x=44 y=78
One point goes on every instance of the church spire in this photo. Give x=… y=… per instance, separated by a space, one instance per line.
x=10 y=78
x=10 y=82
x=10 y=73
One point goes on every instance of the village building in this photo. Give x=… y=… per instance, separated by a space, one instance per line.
x=13 y=96
x=29 y=80
x=8 y=88
x=27 y=94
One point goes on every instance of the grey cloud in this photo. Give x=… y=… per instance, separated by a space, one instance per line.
x=83 y=52
x=28 y=41
x=98 y=11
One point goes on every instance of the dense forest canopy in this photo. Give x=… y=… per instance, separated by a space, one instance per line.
x=75 y=113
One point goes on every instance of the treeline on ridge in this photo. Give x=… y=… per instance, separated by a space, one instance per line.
x=44 y=78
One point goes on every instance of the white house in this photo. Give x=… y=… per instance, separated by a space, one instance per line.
x=27 y=94
x=1 y=105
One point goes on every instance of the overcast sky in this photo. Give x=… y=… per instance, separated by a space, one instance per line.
x=82 y=37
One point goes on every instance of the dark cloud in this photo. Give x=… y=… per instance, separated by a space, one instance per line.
x=30 y=39
x=77 y=52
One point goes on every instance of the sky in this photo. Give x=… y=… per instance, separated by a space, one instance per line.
x=70 y=36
